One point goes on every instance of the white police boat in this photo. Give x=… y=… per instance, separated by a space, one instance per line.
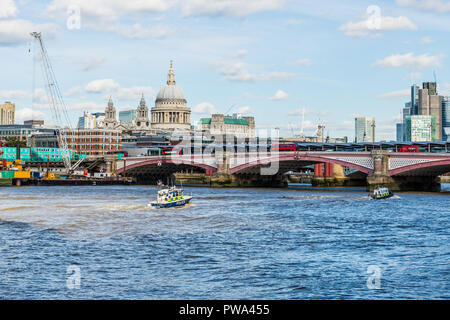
x=170 y=197
x=381 y=193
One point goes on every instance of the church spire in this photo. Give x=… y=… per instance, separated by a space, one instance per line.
x=142 y=103
x=110 y=102
x=171 y=75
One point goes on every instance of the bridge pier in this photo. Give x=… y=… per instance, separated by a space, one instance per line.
x=381 y=177
x=332 y=175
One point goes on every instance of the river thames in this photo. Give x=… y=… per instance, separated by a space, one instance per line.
x=227 y=244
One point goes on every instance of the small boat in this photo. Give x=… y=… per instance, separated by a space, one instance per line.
x=170 y=197
x=381 y=193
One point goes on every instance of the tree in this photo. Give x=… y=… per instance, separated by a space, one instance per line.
x=13 y=142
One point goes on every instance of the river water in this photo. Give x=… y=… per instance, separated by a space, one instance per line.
x=103 y=242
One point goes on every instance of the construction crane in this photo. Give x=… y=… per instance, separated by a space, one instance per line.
x=56 y=102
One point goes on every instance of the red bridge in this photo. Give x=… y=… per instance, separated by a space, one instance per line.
x=401 y=171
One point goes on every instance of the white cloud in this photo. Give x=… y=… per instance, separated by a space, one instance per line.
x=108 y=10
x=18 y=31
x=111 y=87
x=365 y=27
x=28 y=114
x=12 y=95
x=426 y=40
x=106 y=15
x=437 y=6
x=40 y=97
x=233 y=8
x=204 y=108
x=235 y=71
x=8 y=9
x=279 y=95
x=409 y=60
x=396 y=94
x=244 y=110
x=303 y=62
x=102 y=85
x=133 y=93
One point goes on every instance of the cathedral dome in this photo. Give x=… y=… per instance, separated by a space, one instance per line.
x=170 y=91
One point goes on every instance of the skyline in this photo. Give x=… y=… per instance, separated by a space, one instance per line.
x=268 y=58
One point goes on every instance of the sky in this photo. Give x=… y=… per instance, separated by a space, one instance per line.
x=269 y=59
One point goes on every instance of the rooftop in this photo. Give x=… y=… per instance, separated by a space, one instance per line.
x=226 y=120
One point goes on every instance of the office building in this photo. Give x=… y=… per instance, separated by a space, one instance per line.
x=364 y=129
x=21 y=132
x=34 y=123
x=127 y=116
x=87 y=121
x=446 y=118
x=94 y=142
x=236 y=125
x=420 y=128
x=431 y=87
x=430 y=104
x=400 y=132
x=7 y=113
x=406 y=111
x=414 y=103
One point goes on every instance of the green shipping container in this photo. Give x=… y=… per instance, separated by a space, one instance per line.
x=7 y=174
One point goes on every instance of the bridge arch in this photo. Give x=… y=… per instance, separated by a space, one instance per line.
x=307 y=159
x=437 y=168
x=159 y=162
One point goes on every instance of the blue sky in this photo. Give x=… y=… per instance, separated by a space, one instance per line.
x=265 y=58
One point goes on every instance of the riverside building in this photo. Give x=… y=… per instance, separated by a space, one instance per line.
x=236 y=125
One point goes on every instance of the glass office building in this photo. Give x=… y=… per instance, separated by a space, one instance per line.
x=420 y=128
x=127 y=116
x=414 y=104
x=400 y=130
x=446 y=118
x=364 y=129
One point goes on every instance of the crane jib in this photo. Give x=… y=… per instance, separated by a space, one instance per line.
x=56 y=101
